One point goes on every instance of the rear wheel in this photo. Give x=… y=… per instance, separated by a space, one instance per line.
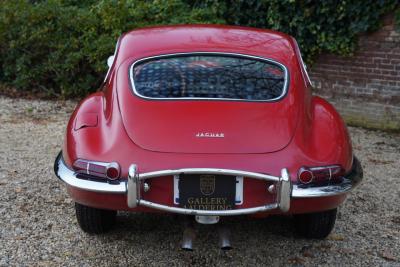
x=315 y=225
x=93 y=220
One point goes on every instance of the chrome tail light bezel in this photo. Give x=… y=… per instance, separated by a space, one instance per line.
x=321 y=174
x=97 y=169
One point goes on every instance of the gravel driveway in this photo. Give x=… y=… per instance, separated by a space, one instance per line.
x=38 y=226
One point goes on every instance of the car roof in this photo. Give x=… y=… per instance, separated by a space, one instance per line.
x=153 y=41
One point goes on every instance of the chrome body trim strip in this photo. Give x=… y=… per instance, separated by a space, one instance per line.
x=284 y=91
x=322 y=191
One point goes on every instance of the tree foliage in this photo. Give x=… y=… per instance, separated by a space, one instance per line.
x=60 y=46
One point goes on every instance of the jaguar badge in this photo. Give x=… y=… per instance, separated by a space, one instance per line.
x=207 y=184
x=210 y=135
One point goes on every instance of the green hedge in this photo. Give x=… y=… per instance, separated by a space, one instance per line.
x=60 y=47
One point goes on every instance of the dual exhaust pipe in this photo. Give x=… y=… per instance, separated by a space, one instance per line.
x=189 y=236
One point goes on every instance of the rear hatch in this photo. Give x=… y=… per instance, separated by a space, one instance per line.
x=208 y=104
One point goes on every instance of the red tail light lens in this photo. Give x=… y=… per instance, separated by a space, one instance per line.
x=322 y=174
x=98 y=169
x=112 y=171
x=305 y=176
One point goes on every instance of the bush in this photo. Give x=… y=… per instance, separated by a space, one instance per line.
x=60 y=47
x=330 y=26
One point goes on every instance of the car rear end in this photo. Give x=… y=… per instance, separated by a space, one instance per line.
x=208 y=134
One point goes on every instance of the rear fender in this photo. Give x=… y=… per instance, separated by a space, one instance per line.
x=83 y=126
x=326 y=140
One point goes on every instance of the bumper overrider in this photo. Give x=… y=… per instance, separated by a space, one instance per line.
x=284 y=188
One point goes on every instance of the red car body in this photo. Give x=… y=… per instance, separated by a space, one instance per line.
x=297 y=131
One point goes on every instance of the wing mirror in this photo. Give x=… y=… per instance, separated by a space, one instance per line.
x=110 y=61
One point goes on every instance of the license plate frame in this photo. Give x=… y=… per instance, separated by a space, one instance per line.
x=239 y=190
x=207 y=191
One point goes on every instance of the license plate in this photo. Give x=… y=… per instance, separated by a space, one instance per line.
x=207 y=191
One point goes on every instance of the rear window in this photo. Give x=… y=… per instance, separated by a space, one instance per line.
x=209 y=77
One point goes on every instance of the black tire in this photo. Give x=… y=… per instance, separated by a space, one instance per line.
x=94 y=221
x=316 y=225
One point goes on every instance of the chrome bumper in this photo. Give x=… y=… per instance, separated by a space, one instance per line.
x=285 y=190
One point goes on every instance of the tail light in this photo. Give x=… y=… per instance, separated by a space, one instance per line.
x=107 y=170
x=307 y=175
x=112 y=171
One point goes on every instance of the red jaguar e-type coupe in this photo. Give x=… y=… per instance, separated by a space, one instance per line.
x=207 y=121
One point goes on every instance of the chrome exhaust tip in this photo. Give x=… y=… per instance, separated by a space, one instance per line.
x=187 y=243
x=224 y=239
x=188 y=237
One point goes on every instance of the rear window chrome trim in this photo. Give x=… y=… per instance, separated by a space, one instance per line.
x=284 y=91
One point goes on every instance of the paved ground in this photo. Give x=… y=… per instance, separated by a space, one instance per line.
x=38 y=226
